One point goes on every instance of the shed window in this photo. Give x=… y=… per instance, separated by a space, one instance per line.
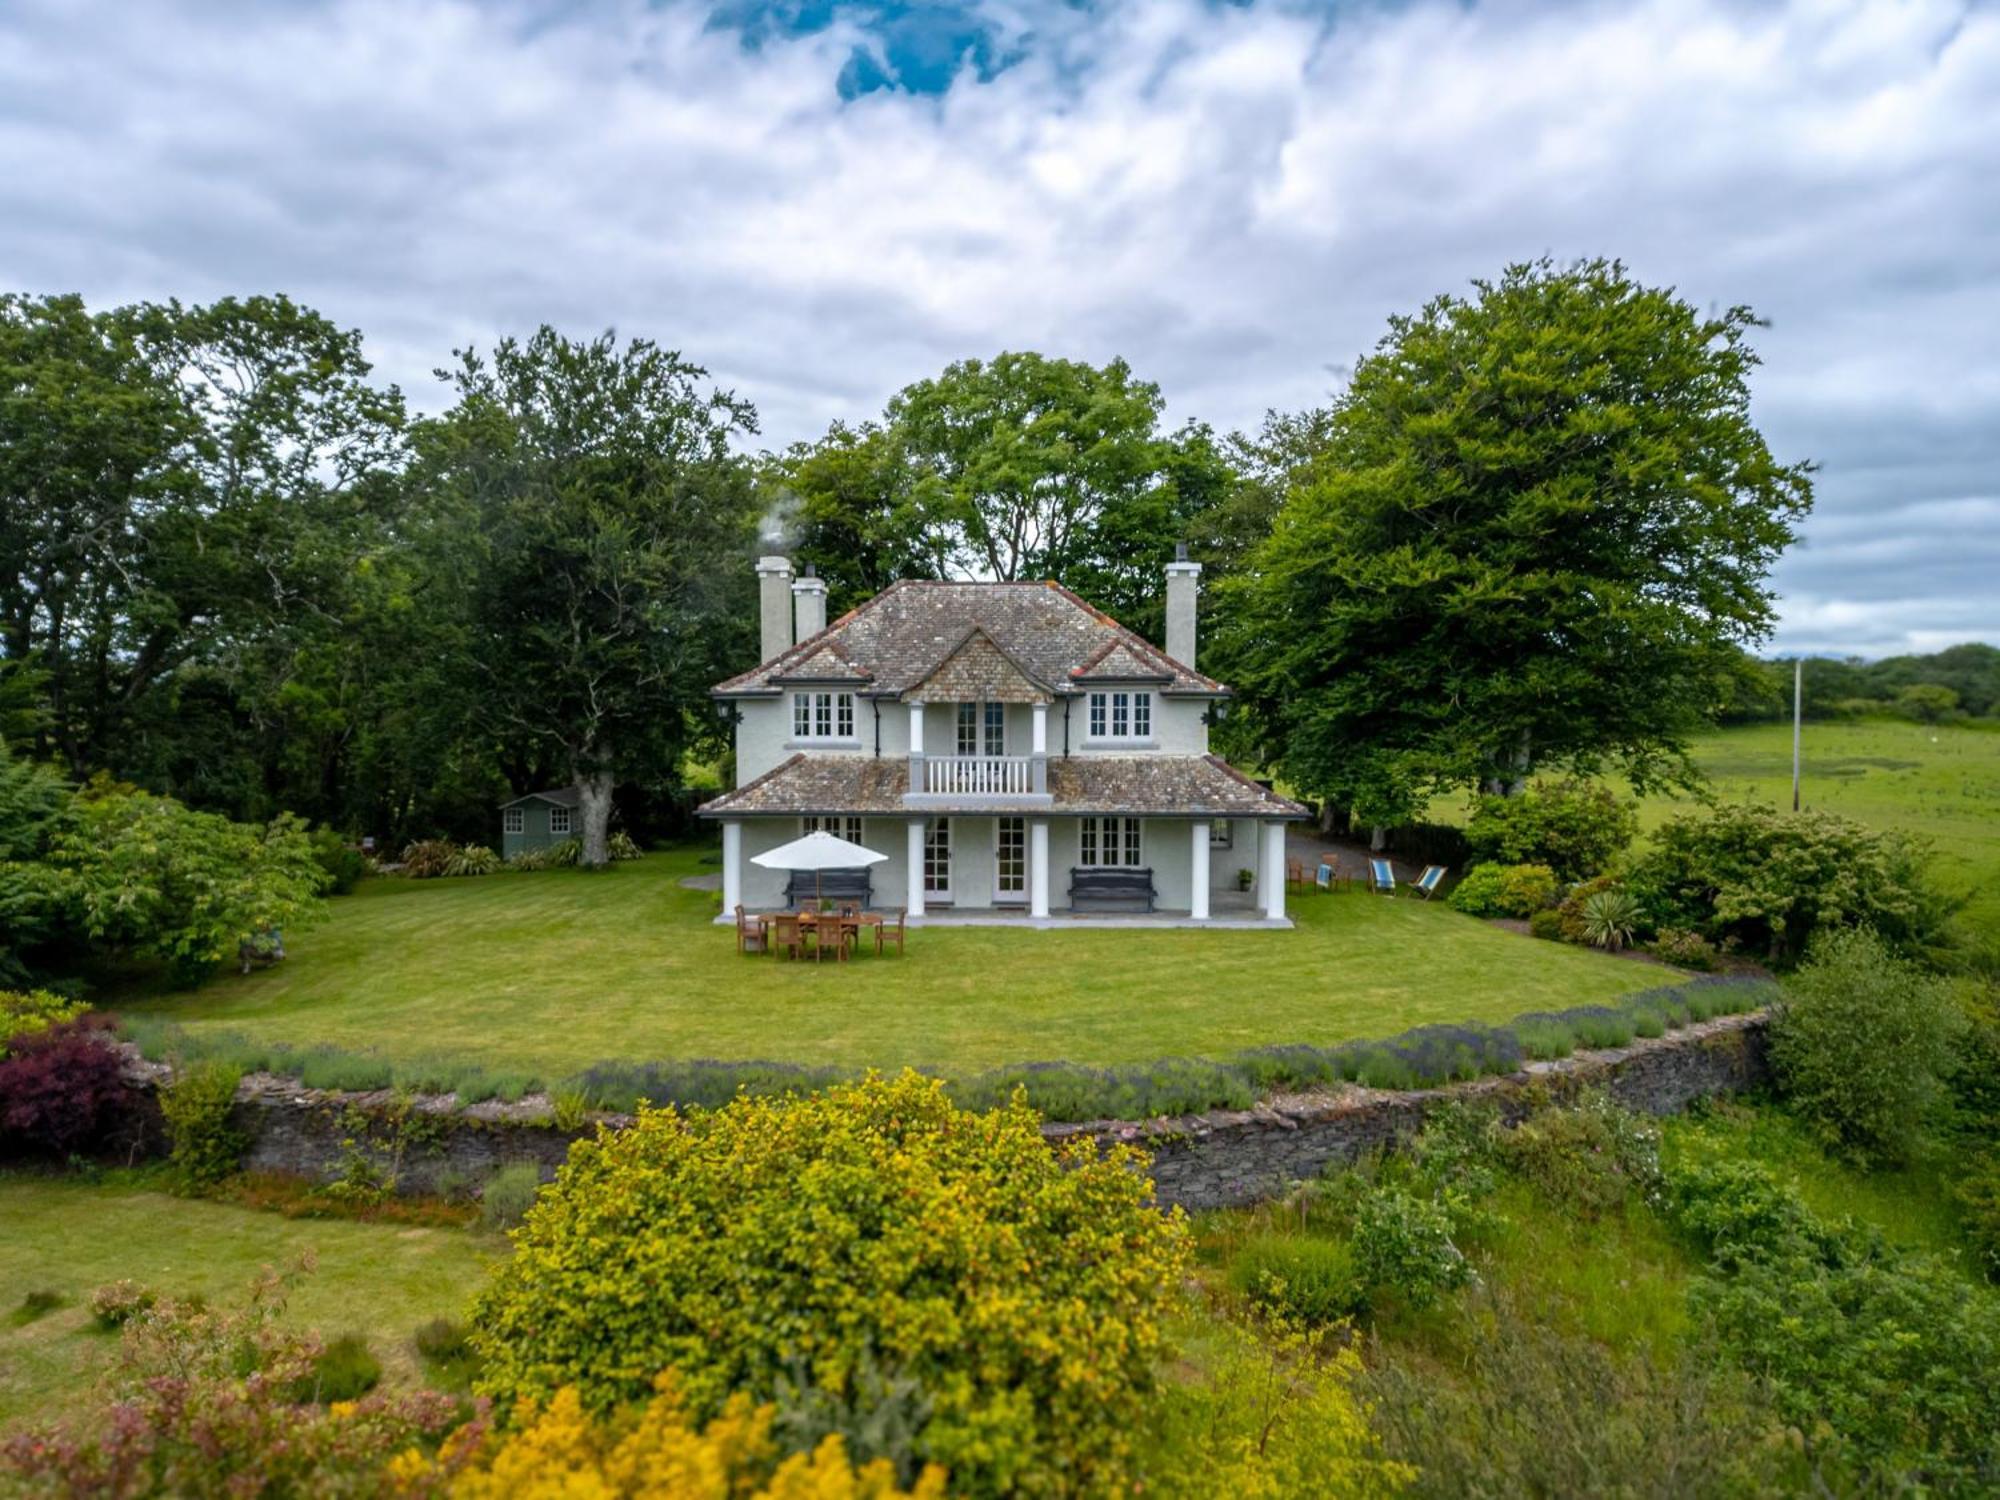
x=513 y=820
x=560 y=819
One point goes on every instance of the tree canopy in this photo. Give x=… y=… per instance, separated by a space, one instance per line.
x=1537 y=535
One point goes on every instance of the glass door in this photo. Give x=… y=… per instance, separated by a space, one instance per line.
x=937 y=860
x=1010 y=859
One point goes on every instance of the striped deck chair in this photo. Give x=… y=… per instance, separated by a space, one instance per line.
x=1323 y=877
x=1430 y=880
x=1382 y=876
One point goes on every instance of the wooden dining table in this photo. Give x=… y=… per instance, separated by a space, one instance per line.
x=841 y=923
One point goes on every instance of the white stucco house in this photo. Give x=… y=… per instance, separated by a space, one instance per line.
x=1011 y=749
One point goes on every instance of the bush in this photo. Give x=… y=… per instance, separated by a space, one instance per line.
x=775 y=1237
x=509 y=1194
x=196 y=1105
x=341 y=863
x=115 y=1305
x=25 y=1012
x=1766 y=881
x=62 y=1091
x=1590 y=1159
x=472 y=859
x=620 y=846
x=1610 y=920
x=1976 y=1191
x=1402 y=1245
x=200 y=1403
x=1684 y=950
x=1574 y=827
x=560 y=1450
x=345 y=1370
x=1860 y=1043
x=428 y=859
x=1504 y=890
x=36 y=1304
x=145 y=874
x=1547 y=924
x=1569 y=912
x=1309 y=1280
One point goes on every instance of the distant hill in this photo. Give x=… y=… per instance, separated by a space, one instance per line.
x=1958 y=682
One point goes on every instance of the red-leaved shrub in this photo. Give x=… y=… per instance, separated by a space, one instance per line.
x=61 y=1091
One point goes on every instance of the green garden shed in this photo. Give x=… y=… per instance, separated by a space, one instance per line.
x=538 y=820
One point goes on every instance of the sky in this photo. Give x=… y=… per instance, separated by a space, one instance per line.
x=823 y=201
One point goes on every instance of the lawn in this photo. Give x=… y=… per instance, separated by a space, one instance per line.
x=552 y=971
x=71 y=1236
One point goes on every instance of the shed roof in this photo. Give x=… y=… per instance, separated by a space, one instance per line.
x=561 y=796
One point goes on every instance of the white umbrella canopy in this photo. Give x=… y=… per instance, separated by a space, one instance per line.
x=817 y=852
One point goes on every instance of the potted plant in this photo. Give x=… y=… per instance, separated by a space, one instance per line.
x=1245 y=878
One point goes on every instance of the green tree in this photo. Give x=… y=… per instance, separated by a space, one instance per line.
x=1926 y=702
x=1537 y=536
x=590 y=498
x=846 y=504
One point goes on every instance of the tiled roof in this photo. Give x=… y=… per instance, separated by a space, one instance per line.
x=1150 y=785
x=1122 y=661
x=826 y=663
x=977 y=670
x=900 y=637
x=561 y=796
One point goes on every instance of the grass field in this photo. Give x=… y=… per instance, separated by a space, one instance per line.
x=1939 y=781
x=71 y=1236
x=552 y=971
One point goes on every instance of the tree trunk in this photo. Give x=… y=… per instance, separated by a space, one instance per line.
x=1516 y=764
x=1378 y=838
x=593 y=790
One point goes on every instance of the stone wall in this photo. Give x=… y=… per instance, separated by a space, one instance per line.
x=1215 y=1160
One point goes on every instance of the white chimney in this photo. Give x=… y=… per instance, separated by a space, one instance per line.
x=774 y=604
x=1183 y=581
x=809 y=604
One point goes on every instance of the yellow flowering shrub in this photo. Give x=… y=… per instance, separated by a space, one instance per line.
x=866 y=1244
x=26 y=1012
x=559 y=1452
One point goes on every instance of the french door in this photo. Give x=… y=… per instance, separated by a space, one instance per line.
x=937 y=860
x=1010 y=859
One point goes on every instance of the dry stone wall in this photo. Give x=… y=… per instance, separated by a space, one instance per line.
x=1216 y=1160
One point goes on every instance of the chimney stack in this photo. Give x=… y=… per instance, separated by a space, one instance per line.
x=809 y=601
x=1183 y=581
x=774 y=604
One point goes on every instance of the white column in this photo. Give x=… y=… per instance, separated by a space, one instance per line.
x=1040 y=744
x=915 y=900
x=1198 y=870
x=1038 y=860
x=732 y=867
x=1274 y=871
x=916 y=729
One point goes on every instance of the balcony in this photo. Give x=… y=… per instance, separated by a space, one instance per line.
x=994 y=780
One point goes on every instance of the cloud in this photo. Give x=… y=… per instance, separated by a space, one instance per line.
x=1233 y=197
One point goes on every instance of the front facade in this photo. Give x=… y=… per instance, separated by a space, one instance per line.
x=1008 y=747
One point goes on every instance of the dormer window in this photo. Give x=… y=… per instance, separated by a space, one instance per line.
x=1119 y=715
x=822 y=716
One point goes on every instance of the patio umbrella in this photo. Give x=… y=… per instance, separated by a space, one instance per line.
x=817 y=852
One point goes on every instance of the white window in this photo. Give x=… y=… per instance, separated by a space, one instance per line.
x=1010 y=857
x=937 y=858
x=559 y=820
x=840 y=828
x=982 y=729
x=513 y=820
x=1118 y=715
x=996 y=728
x=1110 y=842
x=822 y=716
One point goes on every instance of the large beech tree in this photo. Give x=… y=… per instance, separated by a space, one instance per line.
x=1537 y=535
x=602 y=526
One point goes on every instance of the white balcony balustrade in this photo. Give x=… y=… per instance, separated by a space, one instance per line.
x=978 y=775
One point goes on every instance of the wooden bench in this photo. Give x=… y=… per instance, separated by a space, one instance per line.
x=1118 y=885
x=805 y=889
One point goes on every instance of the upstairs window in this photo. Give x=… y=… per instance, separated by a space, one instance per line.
x=982 y=729
x=1117 y=715
x=822 y=716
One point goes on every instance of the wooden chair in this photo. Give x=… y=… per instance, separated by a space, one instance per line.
x=830 y=925
x=750 y=935
x=787 y=935
x=1295 y=875
x=883 y=932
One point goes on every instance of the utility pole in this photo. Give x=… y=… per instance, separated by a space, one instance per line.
x=1798 y=705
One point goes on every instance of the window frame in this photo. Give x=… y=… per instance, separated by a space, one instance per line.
x=840 y=825
x=568 y=816
x=513 y=820
x=1120 y=716
x=822 y=716
x=1110 y=843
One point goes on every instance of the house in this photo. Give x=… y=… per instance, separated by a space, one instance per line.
x=538 y=820
x=1010 y=749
